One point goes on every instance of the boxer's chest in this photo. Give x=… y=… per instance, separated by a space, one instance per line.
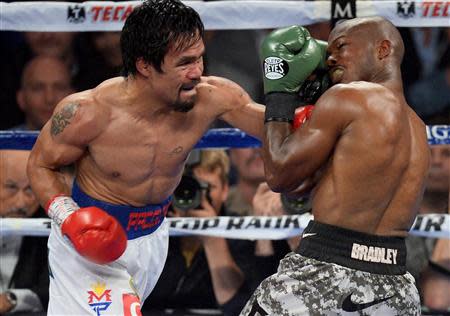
x=138 y=150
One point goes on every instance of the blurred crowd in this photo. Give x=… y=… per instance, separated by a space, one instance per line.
x=203 y=275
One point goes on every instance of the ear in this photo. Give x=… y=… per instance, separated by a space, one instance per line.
x=384 y=49
x=143 y=67
x=20 y=98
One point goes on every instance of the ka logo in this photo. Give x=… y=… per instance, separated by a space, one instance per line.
x=76 y=14
x=406 y=9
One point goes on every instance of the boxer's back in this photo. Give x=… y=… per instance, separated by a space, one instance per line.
x=375 y=179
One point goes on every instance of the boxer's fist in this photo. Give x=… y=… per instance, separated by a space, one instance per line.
x=95 y=234
x=323 y=51
x=302 y=114
x=290 y=55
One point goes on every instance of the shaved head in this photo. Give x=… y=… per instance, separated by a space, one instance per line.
x=45 y=81
x=365 y=49
x=376 y=29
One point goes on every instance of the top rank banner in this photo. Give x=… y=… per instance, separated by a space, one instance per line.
x=225 y=15
x=234 y=227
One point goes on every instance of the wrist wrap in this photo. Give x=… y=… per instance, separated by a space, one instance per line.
x=60 y=207
x=280 y=107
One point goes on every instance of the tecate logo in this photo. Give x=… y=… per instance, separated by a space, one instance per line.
x=275 y=68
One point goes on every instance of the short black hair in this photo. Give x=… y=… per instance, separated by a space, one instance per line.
x=153 y=28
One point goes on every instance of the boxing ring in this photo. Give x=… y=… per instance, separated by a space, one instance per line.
x=223 y=15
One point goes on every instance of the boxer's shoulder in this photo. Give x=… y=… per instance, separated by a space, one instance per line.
x=79 y=116
x=340 y=99
x=107 y=95
x=358 y=94
x=352 y=102
x=226 y=95
x=215 y=81
x=351 y=90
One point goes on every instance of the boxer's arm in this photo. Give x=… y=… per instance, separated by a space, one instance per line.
x=292 y=157
x=304 y=189
x=93 y=233
x=62 y=141
x=248 y=118
x=231 y=103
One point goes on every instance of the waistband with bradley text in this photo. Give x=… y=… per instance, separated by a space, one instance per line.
x=352 y=249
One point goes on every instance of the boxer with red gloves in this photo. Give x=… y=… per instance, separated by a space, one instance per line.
x=129 y=139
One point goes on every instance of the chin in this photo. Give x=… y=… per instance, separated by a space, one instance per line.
x=184 y=106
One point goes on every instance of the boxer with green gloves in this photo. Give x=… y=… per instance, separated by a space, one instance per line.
x=364 y=156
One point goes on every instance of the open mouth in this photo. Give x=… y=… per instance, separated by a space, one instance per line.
x=335 y=68
x=336 y=73
x=188 y=86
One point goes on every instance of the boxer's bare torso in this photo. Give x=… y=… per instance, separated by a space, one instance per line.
x=376 y=177
x=129 y=152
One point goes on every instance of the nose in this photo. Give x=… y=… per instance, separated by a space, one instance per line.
x=23 y=201
x=331 y=61
x=27 y=198
x=196 y=71
x=50 y=96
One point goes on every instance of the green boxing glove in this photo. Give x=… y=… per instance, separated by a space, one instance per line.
x=323 y=61
x=318 y=82
x=290 y=56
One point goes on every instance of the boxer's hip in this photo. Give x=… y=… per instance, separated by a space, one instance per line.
x=136 y=221
x=134 y=273
x=335 y=271
x=352 y=249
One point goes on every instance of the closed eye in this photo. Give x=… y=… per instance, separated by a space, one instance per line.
x=185 y=61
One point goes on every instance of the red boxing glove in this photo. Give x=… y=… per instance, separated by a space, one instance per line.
x=302 y=114
x=95 y=234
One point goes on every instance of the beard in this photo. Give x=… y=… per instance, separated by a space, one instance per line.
x=183 y=106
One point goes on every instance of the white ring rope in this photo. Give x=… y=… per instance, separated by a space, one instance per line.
x=226 y=15
x=235 y=227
